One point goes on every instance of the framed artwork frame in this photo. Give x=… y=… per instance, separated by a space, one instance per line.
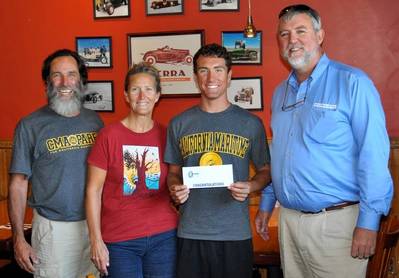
x=104 y=9
x=244 y=51
x=164 y=7
x=219 y=5
x=96 y=52
x=246 y=92
x=172 y=54
x=99 y=96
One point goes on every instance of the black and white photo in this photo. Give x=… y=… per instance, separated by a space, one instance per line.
x=164 y=7
x=246 y=92
x=99 y=96
x=111 y=8
x=219 y=5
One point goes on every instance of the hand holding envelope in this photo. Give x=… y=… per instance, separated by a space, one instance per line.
x=179 y=193
x=240 y=190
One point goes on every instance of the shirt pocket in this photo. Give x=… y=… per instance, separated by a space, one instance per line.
x=321 y=125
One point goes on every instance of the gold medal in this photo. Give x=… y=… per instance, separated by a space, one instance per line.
x=210 y=159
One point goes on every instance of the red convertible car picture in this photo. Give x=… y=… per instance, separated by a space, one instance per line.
x=168 y=55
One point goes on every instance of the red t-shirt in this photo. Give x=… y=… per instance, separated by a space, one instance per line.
x=135 y=199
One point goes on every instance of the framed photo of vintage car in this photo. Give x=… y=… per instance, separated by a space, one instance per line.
x=244 y=51
x=95 y=51
x=246 y=92
x=172 y=54
x=161 y=7
x=103 y=9
x=99 y=96
x=219 y=5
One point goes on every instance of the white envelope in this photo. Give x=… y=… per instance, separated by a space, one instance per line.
x=208 y=176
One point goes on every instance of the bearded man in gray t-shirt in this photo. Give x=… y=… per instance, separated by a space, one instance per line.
x=49 y=151
x=214 y=234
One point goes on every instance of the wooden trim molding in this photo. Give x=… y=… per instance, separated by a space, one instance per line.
x=5 y=144
x=394 y=142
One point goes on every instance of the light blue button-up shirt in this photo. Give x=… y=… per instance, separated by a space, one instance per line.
x=332 y=146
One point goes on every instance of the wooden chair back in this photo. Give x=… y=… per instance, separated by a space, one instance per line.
x=385 y=262
x=5 y=159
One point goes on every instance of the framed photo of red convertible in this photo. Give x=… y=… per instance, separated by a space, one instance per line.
x=172 y=54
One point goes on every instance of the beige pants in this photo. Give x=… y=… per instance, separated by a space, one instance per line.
x=319 y=245
x=63 y=248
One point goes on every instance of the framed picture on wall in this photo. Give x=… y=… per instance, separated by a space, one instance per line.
x=172 y=54
x=244 y=51
x=160 y=7
x=219 y=5
x=111 y=8
x=95 y=51
x=246 y=92
x=99 y=96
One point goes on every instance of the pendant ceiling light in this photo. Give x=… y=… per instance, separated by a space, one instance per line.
x=250 y=30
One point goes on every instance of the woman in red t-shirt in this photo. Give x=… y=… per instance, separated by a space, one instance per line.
x=132 y=225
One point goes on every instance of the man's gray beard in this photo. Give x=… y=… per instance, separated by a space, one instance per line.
x=69 y=107
x=298 y=63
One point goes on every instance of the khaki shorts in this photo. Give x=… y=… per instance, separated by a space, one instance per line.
x=63 y=248
x=319 y=245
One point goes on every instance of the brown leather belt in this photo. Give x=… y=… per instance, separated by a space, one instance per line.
x=338 y=206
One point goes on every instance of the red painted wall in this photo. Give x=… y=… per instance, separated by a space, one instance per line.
x=363 y=33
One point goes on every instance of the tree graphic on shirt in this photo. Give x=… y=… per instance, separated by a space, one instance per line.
x=133 y=161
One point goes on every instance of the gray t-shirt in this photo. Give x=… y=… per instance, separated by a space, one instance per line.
x=51 y=151
x=233 y=136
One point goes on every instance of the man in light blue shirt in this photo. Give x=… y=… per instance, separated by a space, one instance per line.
x=329 y=157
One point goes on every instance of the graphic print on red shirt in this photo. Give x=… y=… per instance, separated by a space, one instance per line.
x=141 y=168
